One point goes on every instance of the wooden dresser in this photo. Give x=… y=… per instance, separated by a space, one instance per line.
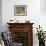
x=22 y=33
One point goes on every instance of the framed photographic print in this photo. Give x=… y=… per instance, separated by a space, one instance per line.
x=20 y=10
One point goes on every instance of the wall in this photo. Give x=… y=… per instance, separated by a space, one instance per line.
x=33 y=10
x=34 y=14
x=43 y=14
x=0 y=15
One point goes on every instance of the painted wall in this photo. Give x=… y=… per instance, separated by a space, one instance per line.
x=43 y=14
x=0 y=15
x=33 y=11
x=34 y=14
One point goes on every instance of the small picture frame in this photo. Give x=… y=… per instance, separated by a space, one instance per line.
x=20 y=10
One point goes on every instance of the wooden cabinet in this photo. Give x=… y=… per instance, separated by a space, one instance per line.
x=22 y=32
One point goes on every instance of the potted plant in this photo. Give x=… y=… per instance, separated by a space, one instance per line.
x=41 y=36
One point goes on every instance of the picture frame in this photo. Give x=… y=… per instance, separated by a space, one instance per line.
x=20 y=10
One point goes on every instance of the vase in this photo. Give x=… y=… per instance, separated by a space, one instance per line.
x=41 y=43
